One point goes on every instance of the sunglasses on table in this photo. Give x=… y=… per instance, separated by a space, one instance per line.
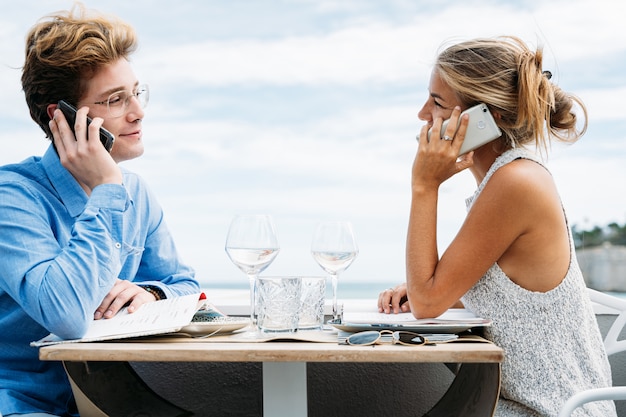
x=374 y=337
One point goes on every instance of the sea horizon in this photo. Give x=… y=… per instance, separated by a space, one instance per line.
x=345 y=289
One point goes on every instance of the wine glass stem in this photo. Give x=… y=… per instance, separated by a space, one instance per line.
x=252 y=278
x=333 y=280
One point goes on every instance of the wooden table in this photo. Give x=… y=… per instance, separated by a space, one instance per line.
x=101 y=377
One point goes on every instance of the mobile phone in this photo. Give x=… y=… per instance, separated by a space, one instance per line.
x=481 y=129
x=69 y=111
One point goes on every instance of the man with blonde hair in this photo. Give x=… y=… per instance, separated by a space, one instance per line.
x=80 y=237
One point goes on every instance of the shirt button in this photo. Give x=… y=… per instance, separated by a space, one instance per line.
x=118 y=245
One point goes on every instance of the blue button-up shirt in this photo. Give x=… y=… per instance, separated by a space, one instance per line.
x=60 y=254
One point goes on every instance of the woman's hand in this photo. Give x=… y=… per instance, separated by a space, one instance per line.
x=123 y=293
x=437 y=159
x=394 y=300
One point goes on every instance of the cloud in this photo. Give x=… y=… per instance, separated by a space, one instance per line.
x=604 y=103
x=358 y=148
x=581 y=29
x=350 y=56
x=381 y=51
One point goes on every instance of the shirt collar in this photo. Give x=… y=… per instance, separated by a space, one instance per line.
x=72 y=195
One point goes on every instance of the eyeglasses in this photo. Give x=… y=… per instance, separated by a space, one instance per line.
x=373 y=337
x=118 y=101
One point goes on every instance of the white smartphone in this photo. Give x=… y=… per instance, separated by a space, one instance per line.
x=481 y=129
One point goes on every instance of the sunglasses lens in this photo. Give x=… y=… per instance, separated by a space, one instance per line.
x=363 y=338
x=408 y=338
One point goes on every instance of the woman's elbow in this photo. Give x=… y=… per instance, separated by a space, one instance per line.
x=422 y=308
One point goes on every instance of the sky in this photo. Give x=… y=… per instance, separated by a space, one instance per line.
x=307 y=110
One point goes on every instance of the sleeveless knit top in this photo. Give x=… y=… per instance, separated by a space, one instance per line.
x=552 y=344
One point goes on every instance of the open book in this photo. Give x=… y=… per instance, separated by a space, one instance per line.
x=163 y=316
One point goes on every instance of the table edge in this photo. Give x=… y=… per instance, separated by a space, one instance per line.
x=270 y=352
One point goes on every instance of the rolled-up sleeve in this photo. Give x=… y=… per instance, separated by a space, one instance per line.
x=61 y=251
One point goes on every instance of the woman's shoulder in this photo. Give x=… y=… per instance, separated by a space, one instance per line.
x=519 y=168
x=522 y=171
x=525 y=187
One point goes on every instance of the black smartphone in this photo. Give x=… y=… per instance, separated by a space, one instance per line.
x=69 y=111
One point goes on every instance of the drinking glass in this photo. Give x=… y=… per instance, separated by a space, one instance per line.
x=334 y=249
x=252 y=245
x=279 y=303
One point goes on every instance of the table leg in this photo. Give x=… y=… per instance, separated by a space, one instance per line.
x=473 y=393
x=284 y=389
x=114 y=389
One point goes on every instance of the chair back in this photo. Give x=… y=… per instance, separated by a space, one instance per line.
x=611 y=305
x=615 y=305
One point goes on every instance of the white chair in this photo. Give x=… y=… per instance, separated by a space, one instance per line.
x=612 y=346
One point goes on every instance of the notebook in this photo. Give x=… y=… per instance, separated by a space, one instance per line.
x=454 y=320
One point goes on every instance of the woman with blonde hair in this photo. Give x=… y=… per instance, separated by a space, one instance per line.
x=513 y=259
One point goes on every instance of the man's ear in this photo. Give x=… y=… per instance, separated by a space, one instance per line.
x=50 y=110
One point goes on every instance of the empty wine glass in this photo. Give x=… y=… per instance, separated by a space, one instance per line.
x=252 y=245
x=334 y=248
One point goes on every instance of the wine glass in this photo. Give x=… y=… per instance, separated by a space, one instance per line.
x=252 y=245
x=334 y=248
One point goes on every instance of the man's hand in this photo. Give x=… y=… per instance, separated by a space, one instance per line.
x=87 y=160
x=123 y=293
